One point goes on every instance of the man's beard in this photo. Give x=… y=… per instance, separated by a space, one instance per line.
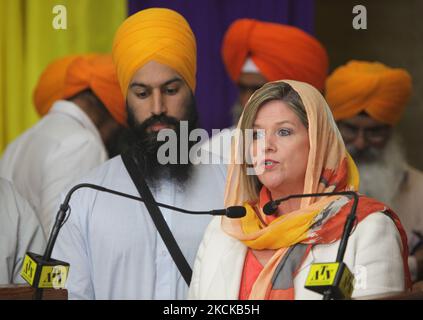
x=116 y=142
x=144 y=146
x=381 y=171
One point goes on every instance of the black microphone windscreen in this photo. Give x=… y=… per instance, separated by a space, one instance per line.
x=236 y=212
x=270 y=208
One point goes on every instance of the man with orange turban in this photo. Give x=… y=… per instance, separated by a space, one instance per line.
x=111 y=243
x=51 y=83
x=83 y=109
x=367 y=100
x=256 y=52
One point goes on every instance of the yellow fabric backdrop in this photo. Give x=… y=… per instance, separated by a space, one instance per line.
x=28 y=42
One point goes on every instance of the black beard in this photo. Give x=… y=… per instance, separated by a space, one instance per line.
x=115 y=144
x=144 y=147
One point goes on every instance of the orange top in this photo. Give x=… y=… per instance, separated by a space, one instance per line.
x=250 y=273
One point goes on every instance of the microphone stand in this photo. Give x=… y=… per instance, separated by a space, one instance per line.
x=270 y=207
x=64 y=207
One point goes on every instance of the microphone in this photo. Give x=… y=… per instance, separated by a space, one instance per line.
x=232 y=212
x=42 y=272
x=332 y=280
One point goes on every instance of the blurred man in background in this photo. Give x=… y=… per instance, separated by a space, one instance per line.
x=255 y=52
x=82 y=109
x=367 y=100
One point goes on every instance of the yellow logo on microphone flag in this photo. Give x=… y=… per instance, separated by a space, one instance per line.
x=28 y=269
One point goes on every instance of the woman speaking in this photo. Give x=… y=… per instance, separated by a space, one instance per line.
x=295 y=148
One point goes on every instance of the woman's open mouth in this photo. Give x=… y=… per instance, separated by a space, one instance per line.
x=270 y=164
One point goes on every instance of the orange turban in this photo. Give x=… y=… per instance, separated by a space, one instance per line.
x=156 y=34
x=279 y=51
x=380 y=91
x=98 y=73
x=51 y=83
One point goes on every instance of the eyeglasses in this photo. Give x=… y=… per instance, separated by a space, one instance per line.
x=372 y=135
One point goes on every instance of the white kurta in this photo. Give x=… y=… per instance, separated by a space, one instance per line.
x=112 y=245
x=20 y=231
x=47 y=158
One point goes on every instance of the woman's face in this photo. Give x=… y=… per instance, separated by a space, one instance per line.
x=281 y=161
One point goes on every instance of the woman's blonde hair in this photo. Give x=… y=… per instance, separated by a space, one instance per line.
x=269 y=92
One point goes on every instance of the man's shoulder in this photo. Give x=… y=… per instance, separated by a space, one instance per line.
x=415 y=175
x=111 y=170
x=211 y=167
x=110 y=174
x=218 y=147
x=113 y=173
x=65 y=129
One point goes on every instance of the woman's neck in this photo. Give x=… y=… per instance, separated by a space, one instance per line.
x=288 y=205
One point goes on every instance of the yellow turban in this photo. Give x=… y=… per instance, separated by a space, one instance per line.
x=156 y=34
x=380 y=91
